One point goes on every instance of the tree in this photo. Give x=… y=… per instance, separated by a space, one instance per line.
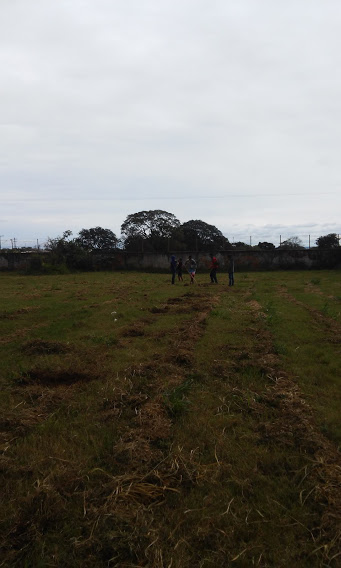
x=292 y=243
x=67 y=251
x=266 y=246
x=149 y=230
x=199 y=235
x=330 y=241
x=97 y=239
x=241 y=245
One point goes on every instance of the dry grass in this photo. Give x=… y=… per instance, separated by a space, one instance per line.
x=179 y=439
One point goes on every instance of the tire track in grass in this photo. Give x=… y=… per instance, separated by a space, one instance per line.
x=149 y=471
x=120 y=495
x=298 y=426
x=331 y=327
x=282 y=420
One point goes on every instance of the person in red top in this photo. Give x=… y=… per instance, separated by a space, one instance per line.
x=214 y=267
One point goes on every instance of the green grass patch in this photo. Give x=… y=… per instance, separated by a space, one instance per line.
x=146 y=424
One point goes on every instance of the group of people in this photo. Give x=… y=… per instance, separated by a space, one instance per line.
x=190 y=265
x=176 y=267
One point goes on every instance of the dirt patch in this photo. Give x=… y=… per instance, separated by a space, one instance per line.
x=254 y=305
x=159 y=309
x=20 y=333
x=153 y=420
x=43 y=347
x=156 y=375
x=123 y=399
x=184 y=357
x=135 y=450
x=17 y=313
x=136 y=330
x=14 y=426
x=256 y=308
x=172 y=301
x=51 y=377
x=36 y=405
x=312 y=289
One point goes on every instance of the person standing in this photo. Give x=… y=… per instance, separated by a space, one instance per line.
x=230 y=269
x=214 y=267
x=173 y=268
x=191 y=266
x=179 y=270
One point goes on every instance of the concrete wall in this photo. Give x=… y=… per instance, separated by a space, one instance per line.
x=244 y=260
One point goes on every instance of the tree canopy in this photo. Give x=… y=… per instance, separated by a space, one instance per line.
x=199 y=235
x=97 y=238
x=328 y=241
x=266 y=246
x=65 y=250
x=241 y=245
x=292 y=243
x=151 y=229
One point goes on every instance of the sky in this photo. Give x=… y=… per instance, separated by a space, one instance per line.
x=228 y=111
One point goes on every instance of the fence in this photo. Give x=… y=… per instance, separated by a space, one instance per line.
x=307 y=240
x=245 y=260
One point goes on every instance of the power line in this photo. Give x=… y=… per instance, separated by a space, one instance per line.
x=169 y=198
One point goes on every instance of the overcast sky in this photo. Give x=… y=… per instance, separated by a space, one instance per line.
x=228 y=111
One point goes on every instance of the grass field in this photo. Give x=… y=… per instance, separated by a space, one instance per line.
x=146 y=424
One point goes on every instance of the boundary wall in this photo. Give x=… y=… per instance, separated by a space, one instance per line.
x=245 y=260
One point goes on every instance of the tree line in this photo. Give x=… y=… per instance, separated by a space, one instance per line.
x=157 y=231
x=161 y=232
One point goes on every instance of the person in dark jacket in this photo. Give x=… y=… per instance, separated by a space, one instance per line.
x=173 y=268
x=214 y=268
x=230 y=270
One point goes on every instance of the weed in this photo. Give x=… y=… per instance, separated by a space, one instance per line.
x=271 y=313
x=176 y=400
x=326 y=309
x=108 y=340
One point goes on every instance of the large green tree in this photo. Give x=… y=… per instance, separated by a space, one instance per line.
x=265 y=246
x=328 y=241
x=97 y=238
x=201 y=236
x=240 y=245
x=149 y=230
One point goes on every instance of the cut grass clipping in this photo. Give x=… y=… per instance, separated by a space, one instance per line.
x=146 y=424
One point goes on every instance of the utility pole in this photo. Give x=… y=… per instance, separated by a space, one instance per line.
x=280 y=240
x=0 y=240
x=309 y=241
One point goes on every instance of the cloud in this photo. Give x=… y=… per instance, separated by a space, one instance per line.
x=190 y=106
